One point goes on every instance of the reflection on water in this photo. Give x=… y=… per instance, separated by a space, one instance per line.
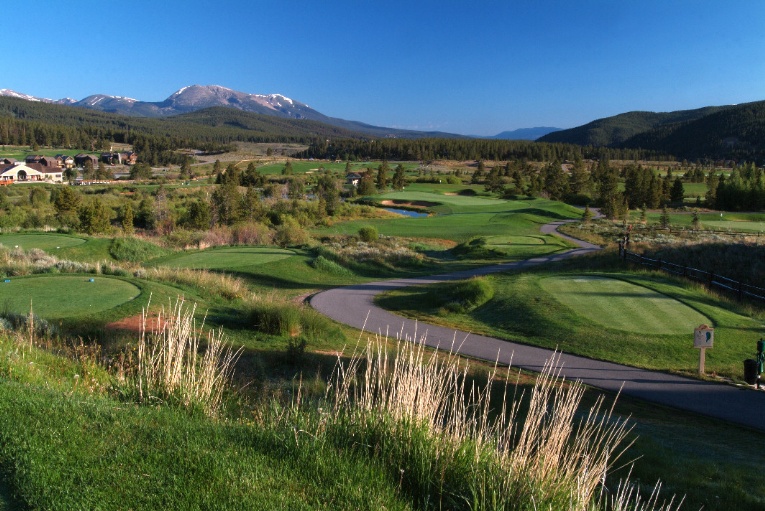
x=413 y=214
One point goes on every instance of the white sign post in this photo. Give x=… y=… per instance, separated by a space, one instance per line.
x=703 y=338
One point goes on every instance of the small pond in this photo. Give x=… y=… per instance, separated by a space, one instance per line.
x=413 y=214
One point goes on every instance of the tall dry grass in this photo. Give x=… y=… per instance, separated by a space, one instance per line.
x=218 y=284
x=457 y=448
x=173 y=364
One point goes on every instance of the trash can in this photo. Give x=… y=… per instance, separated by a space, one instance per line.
x=750 y=371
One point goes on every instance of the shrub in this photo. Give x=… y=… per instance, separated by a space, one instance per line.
x=288 y=319
x=368 y=234
x=289 y=233
x=252 y=233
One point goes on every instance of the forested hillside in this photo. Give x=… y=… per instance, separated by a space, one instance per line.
x=712 y=133
x=732 y=133
x=614 y=131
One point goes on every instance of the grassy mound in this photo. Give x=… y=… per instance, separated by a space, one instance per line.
x=135 y=250
x=64 y=296
x=226 y=258
x=622 y=305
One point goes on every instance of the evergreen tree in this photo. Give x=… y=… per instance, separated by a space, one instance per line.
x=399 y=179
x=664 y=218
x=126 y=219
x=366 y=184
x=95 y=218
x=198 y=216
x=677 y=193
x=382 y=177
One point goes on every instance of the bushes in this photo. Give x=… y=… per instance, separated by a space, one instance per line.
x=476 y=248
x=292 y=320
x=368 y=234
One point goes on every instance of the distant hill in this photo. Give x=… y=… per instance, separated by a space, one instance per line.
x=716 y=132
x=201 y=97
x=526 y=133
x=735 y=132
x=614 y=131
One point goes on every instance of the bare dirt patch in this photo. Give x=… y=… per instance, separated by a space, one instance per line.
x=134 y=324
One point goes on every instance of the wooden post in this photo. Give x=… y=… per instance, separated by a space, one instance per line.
x=702 y=360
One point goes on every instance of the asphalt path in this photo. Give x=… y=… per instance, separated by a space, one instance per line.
x=354 y=306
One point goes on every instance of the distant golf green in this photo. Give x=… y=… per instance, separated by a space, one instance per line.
x=621 y=305
x=64 y=296
x=46 y=242
x=229 y=258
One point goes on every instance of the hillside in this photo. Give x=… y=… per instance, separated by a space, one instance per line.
x=736 y=132
x=724 y=132
x=614 y=131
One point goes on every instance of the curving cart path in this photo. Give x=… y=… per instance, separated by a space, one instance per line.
x=354 y=306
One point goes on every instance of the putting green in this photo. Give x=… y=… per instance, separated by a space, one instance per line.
x=621 y=305
x=229 y=258
x=41 y=241
x=64 y=296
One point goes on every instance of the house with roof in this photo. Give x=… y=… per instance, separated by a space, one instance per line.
x=81 y=159
x=66 y=161
x=51 y=162
x=29 y=172
x=353 y=179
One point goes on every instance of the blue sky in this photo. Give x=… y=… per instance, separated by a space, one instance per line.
x=473 y=67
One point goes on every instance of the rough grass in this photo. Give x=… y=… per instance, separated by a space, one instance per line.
x=225 y=259
x=174 y=364
x=135 y=250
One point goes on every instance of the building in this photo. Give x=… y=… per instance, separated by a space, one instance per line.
x=29 y=172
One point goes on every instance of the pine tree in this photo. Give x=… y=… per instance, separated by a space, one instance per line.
x=399 y=179
x=127 y=219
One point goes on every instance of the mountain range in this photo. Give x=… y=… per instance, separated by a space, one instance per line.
x=730 y=132
x=199 y=97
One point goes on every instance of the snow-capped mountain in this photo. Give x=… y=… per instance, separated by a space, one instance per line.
x=197 y=97
x=188 y=99
x=13 y=94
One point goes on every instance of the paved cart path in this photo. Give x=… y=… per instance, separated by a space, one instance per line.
x=354 y=306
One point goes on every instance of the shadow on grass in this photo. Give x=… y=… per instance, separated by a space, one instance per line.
x=7 y=500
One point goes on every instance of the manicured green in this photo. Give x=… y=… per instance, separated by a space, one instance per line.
x=65 y=296
x=225 y=259
x=44 y=241
x=622 y=305
x=526 y=308
x=460 y=218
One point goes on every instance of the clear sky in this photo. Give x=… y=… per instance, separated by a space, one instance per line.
x=474 y=67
